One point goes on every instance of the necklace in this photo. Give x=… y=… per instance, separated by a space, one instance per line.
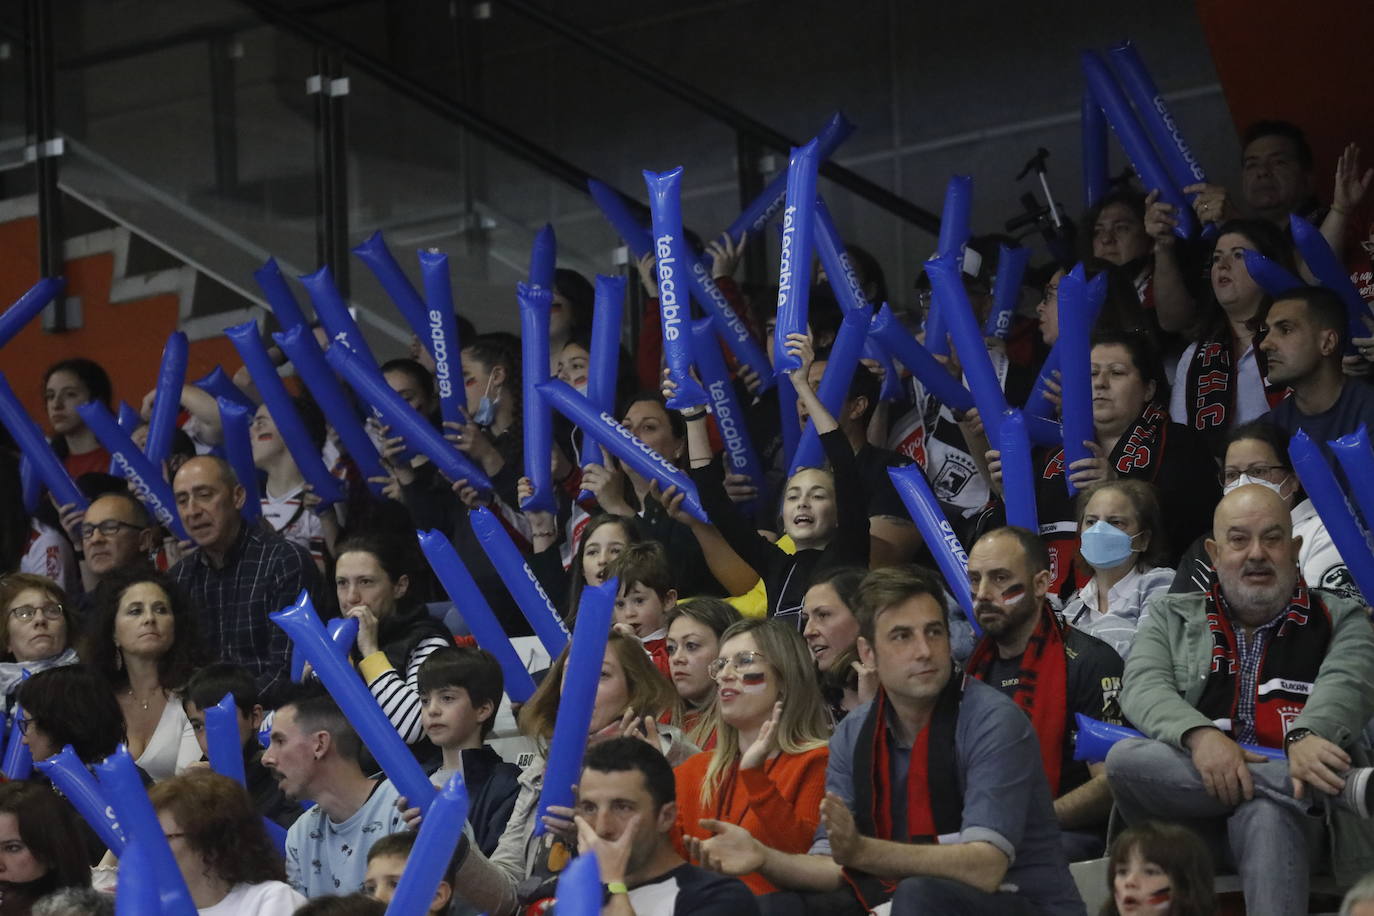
x=146 y=704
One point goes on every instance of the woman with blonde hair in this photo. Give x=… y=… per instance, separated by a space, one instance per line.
x=767 y=772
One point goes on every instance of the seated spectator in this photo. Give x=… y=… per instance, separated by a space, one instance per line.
x=1257 y=453
x=221 y=847
x=386 y=860
x=1304 y=336
x=983 y=791
x=1277 y=665
x=73 y=705
x=646 y=596
x=1052 y=671
x=630 y=698
x=831 y=632
x=822 y=510
x=601 y=538
x=1277 y=179
x=694 y=630
x=38 y=623
x=1121 y=536
x=116 y=535
x=621 y=490
x=286 y=507
x=75 y=901
x=144 y=640
x=239 y=575
x=205 y=689
x=460 y=690
x=626 y=814
x=66 y=386
x=1159 y=868
x=40 y=846
x=314 y=753
x=1218 y=382
x=767 y=771
x=376 y=580
x=1134 y=439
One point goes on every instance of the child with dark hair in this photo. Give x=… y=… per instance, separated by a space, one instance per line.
x=1159 y=868
x=206 y=688
x=386 y=861
x=645 y=597
x=460 y=691
x=285 y=495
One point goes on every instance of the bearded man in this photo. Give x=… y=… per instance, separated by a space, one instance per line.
x=1050 y=670
x=1258 y=659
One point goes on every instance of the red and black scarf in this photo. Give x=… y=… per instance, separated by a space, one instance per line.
x=1288 y=667
x=934 y=799
x=1210 y=385
x=1042 y=685
x=1138 y=453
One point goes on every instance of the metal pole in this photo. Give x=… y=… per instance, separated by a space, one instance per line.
x=47 y=146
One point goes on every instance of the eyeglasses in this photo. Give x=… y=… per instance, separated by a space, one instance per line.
x=742 y=662
x=109 y=528
x=173 y=836
x=1263 y=471
x=51 y=611
x=25 y=721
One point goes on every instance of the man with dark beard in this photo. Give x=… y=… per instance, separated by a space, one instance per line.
x=1259 y=659
x=1050 y=670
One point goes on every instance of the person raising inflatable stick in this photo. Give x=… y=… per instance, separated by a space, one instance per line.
x=1133 y=438
x=822 y=511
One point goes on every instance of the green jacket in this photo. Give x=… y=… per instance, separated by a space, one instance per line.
x=1168 y=669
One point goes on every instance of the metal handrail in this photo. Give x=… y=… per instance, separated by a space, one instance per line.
x=722 y=111
x=515 y=143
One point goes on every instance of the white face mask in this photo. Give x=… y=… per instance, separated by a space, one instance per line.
x=1245 y=479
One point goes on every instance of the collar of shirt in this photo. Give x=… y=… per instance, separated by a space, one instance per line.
x=1114 y=593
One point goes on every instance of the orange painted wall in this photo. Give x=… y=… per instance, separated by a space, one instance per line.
x=126 y=339
x=1306 y=63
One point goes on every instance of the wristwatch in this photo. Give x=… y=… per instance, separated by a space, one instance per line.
x=615 y=887
x=1295 y=736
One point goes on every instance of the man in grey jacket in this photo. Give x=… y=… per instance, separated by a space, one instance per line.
x=1259 y=659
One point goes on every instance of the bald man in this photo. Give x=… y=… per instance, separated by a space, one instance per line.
x=1259 y=659
x=239 y=574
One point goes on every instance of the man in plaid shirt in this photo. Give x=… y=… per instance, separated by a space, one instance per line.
x=240 y=574
x=1257 y=659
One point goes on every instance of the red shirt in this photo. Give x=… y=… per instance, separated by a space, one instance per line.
x=96 y=461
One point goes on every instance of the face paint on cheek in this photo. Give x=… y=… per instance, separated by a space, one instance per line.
x=1160 y=898
x=1011 y=595
x=753 y=682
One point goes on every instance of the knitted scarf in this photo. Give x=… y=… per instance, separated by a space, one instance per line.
x=1287 y=669
x=1041 y=689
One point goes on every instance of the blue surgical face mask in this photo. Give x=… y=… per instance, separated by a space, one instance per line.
x=486 y=408
x=1105 y=546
